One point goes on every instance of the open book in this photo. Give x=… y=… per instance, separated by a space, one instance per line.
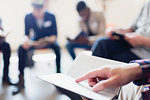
x=82 y=64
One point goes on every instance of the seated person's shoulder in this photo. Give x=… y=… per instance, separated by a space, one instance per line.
x=48 y=14
x=28 y=16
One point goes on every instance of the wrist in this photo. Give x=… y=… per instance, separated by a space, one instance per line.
x=145 y=41
x=135 y=71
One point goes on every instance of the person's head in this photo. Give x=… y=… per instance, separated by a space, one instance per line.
x=38 y=8
x=83 y=10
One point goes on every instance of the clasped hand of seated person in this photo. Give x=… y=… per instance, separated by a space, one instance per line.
x=40 y=43
x=112 y=76
x=132 y=38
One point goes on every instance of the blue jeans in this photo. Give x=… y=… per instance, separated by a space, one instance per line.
x=23 y=56
x=71 y=46
x=113 y=49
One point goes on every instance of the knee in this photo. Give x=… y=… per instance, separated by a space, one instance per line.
x=56 y=48
x=99 y=42
x=21 y=49
x=68 y=46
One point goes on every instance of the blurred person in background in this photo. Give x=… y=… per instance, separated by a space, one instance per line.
x=40 y=32
x=132 y=43
x=92 y=25
x=5 y=49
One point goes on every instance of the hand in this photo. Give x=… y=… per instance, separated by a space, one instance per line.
x=111 y=30
x=134 y=39
x=52 y=39
x=26 y=45
x=112 y=76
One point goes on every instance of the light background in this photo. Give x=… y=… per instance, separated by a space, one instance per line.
x=118 y=12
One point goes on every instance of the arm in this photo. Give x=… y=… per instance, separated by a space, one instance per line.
x=27 y=26
x=137 y=40
x=145 y=65
x=53 y=37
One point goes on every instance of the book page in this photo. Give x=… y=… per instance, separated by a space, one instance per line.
x=82 y=88
x=84 y=63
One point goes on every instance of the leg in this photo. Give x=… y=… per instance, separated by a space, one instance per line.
x=106 y=47
x=71 y=46
x=22 y=53
x=56 y=49
x=6 y=56
x=125 y=56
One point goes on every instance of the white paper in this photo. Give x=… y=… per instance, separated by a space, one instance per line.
x=84 y=63
x=69 y=83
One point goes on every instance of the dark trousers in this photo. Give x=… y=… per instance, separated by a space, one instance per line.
x=114 y=49
x=72 y=46
x=5 y=49
x=23 y=56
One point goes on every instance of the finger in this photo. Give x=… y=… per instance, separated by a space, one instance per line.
x=92 y=74
x=104 y=84
x=92 y=82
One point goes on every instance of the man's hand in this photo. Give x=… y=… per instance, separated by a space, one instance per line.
x=52 y=39
x=26 y=43
x=112 y=76
x=117 y=30
x=134 y=39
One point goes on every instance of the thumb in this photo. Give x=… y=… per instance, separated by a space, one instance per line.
x=103 y=85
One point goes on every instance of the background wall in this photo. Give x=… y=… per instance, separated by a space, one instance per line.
x=118 y=12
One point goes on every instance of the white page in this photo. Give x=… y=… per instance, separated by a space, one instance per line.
x=84 y=63
x=69 y=83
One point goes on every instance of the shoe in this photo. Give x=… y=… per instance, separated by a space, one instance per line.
x=20 y=86
x=71 y=40
x=7 y=82
x=58 y=71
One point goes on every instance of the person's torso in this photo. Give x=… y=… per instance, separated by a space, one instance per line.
x=143 y=22
x=41 y=28
x=93 y=24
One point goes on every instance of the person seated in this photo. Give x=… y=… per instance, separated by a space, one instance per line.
x=127 y=44
x=5 y=49
x=120 y=75
x=42 y=25
x=92 y=25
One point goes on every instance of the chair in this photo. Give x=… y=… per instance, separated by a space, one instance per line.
x=38 y=55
